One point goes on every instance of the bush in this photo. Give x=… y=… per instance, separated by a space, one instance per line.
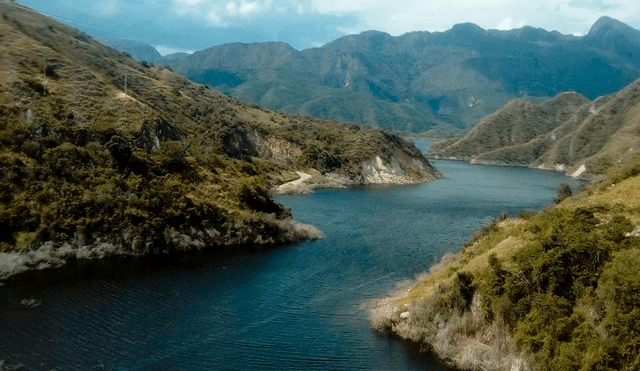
x=564 y=191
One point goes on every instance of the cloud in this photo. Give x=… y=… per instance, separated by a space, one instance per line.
x=104 y=9
x=566 y=16
x=507 y=24
x=166 y=50
x=347 y=30
x=215 y=20
x=232 y=8
x=249 y=8
x=189 y=2
x=504 y=25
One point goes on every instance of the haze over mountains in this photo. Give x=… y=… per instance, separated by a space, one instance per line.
x=421 y=80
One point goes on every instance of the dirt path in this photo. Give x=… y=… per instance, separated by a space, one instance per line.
x=294 y=185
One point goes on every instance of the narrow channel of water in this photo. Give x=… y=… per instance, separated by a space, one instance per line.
x=301 y=307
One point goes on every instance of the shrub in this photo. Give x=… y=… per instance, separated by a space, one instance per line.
x=564 y=191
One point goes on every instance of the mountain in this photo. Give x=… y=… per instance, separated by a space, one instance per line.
x=568 y=132
x=421 y=80
x=101 y=155
x=174 y=56
x=138 y=50
x=141 y=51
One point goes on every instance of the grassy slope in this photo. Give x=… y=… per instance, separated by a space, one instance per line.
x=89 y=170
x=563 y=133
x=552 y=291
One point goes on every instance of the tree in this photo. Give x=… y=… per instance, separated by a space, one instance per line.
x=564 y=191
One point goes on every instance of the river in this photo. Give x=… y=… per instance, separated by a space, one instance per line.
x=300 y=307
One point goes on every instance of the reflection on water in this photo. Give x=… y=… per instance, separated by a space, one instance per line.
x=301 y=307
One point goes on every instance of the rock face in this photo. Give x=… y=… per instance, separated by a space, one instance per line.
x=568 y=133
x=397 y=170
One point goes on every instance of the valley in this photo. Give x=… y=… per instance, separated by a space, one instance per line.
x=255 y=206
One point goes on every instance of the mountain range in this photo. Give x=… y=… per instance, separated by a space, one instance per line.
x=421 y=81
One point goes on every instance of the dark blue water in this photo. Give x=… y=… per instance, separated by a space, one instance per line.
x=301 y=307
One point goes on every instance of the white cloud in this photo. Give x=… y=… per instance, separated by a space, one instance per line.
x=214 y=19
x=166 y=50
x=417 y=15
x=104 y=9
x=249 y=8
x=189 y=2
x=300 y=9
x=347 y=30
x=232 y=8
x=504 y=25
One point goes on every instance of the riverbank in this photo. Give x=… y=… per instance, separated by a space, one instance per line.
x=258 y=231
x=533 y=292
x=400 y=168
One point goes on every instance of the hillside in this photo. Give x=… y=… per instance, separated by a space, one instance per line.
x=568 y=133
x=101 y=155
x=557 y=290
x=421 y=80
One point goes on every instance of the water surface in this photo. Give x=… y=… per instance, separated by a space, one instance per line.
x=300 y=307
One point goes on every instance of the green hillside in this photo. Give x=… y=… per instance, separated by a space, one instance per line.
x=421 y=81
x=568 y=133
x=102 y=155
x=556 y=290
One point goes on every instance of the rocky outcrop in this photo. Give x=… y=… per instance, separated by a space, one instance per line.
x=266 y=231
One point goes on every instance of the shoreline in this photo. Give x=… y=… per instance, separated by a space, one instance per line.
x=579 y=174
x=50 y=256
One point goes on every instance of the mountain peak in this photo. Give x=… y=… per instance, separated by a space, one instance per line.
x=468 y=27
x=605 y=24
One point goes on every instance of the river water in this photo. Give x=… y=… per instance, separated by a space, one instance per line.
x=300 y=307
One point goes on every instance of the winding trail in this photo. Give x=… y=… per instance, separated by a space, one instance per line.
x=294 y=184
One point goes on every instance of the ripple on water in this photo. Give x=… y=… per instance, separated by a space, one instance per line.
x=294 y=308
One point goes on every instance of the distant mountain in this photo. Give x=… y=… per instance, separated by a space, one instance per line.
x=422 y=80
x=138 y=50
x=175 y=56
x=568 y=132
x=141 y=51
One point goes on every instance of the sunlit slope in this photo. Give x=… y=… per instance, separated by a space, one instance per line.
x=565 y=133
x=103 y=155
x=557 y=290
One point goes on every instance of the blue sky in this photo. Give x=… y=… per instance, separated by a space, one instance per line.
x=189 y=25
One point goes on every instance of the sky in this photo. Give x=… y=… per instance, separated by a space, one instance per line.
x=190 y=25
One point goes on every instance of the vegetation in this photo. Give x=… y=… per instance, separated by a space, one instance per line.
x=91 y=168
x=566 y=133
x=443 y=81
x=557 y=290
x=564 y=191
